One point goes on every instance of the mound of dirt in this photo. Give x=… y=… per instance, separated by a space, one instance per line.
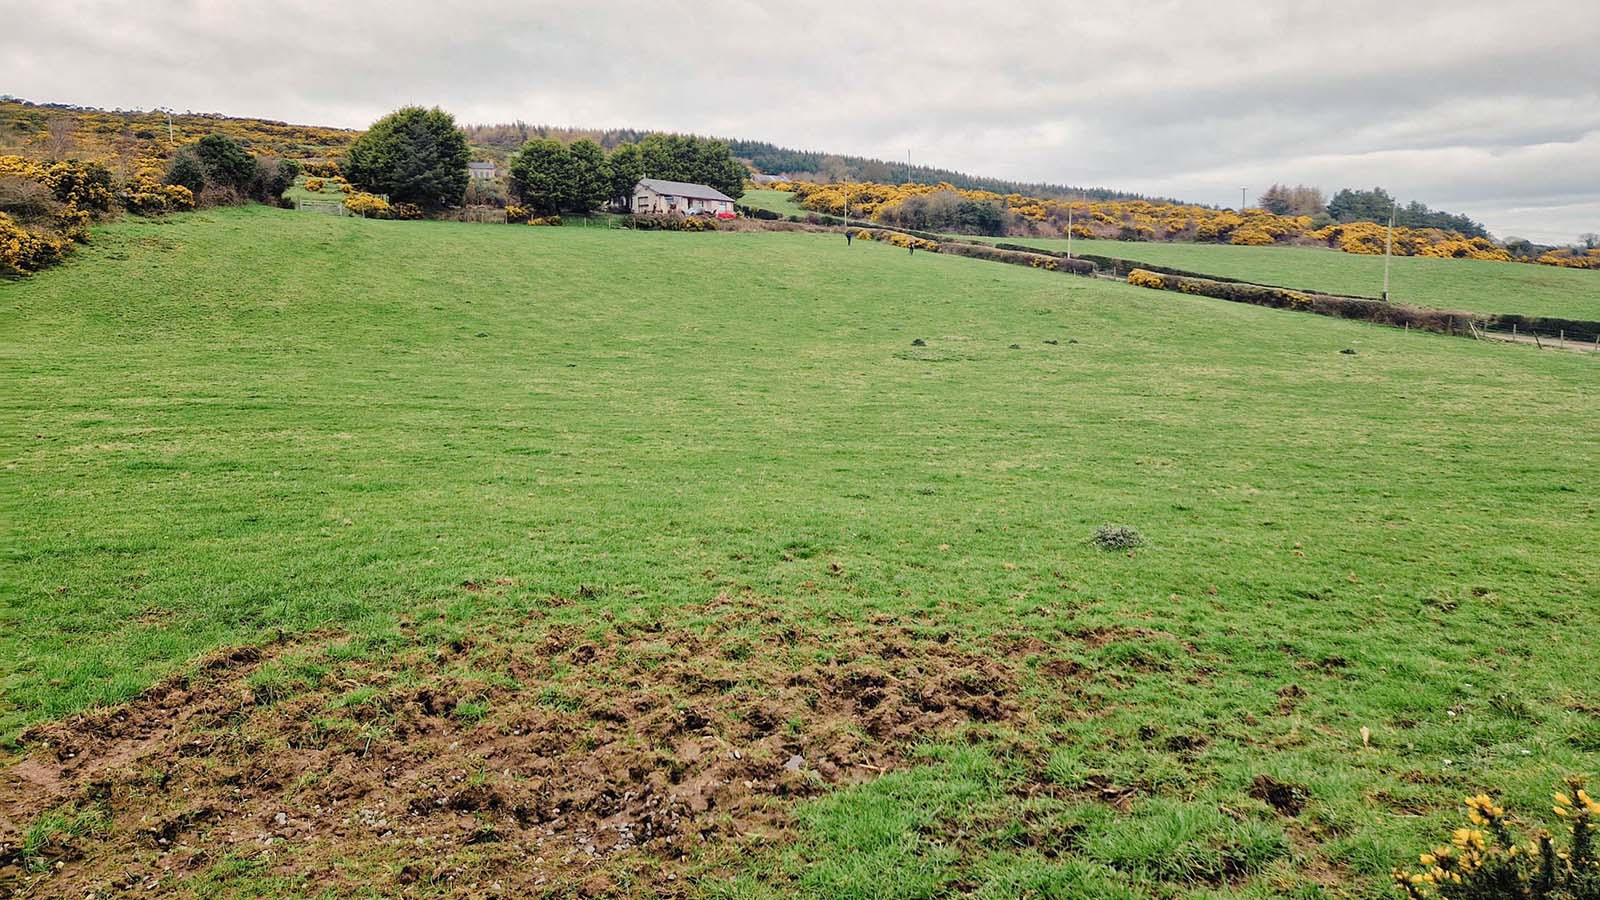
x=509 y=764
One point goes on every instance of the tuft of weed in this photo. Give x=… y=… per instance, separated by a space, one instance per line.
x=1111 y=536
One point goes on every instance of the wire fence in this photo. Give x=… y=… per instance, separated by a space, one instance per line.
x=1561 y=340
x=326 y=207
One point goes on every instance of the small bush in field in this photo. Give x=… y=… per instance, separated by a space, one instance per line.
x=367 y=205
x=1484 y=861
x=314 y=185
x=1117 y=537
x=1141 y=278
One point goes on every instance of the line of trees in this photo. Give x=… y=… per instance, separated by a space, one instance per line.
x=419 y=156
x=1374 y=206
x=1300 y=200
x=805 y=165
x=1350 y=205
x=549 y=177
x=810 y=165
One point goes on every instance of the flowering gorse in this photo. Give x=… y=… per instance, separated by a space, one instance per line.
x=1485 y=860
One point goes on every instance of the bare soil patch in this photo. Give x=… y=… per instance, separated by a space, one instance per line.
x=511 y=763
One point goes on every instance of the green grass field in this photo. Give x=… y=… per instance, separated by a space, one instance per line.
x=240 y=425
x=781 y=202
x=1465 y=284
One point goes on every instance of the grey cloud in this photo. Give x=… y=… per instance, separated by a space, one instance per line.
x=1487 y=108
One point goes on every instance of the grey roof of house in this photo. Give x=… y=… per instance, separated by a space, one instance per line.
x=480 y=165
x=684 y=189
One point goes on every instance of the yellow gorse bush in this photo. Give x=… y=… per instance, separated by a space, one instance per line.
x=1142 y=278
x=1485 y=859
x=24 y=250
x=1572 y=258
x=64 y=198
x=367 y=205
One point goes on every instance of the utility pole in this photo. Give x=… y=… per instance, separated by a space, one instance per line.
x=908 y=165
x=1070 y=204
x=1388 y=251
x=1241 y=201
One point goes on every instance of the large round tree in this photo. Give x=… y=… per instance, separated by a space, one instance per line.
x=414 y=155
x=542 y=176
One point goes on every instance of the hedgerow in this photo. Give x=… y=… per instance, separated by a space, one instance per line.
x=668 y=223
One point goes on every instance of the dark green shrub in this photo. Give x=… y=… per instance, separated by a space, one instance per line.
x=186 y=171
x=271 y=178
x=226 y=163
x=414 y=155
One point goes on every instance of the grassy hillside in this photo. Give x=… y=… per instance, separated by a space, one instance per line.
x=1466 y=284
x=636 y=503
x=61 y=131
x=781 y=202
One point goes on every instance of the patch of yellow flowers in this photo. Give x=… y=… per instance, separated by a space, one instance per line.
x=367 y=205
x=1142 y=278
x=1485 y=859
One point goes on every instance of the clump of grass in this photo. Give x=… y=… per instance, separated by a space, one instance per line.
x=1111 y=536
x=51 y=832
x=1186 y=842
x=472 y=710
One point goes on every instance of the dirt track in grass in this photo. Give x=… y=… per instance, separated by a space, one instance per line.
x=503 y=764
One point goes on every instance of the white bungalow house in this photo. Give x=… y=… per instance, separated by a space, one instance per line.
x=481 y=171
x=654 y=196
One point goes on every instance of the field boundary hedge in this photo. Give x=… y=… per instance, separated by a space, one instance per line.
x=993 y=253
x=1365 y=309
x=1350 y=306
x=1122 y=267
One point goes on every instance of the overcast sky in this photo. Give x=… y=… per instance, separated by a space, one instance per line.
x=1487 y=108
